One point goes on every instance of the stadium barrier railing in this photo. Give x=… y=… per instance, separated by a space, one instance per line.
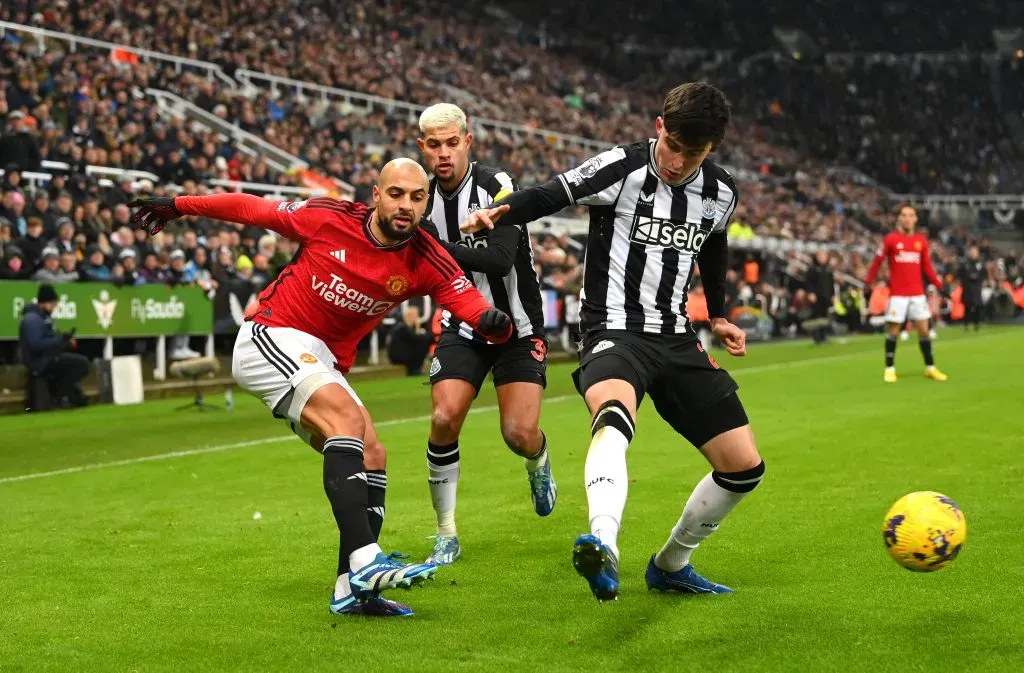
x=253 y=81
x=249 y=143
x=211 y=70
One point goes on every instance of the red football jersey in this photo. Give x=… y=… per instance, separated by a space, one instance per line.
x=342 y=282
x=907 y=255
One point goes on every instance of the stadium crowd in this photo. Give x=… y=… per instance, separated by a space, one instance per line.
x=86 y=108
x=416 y=51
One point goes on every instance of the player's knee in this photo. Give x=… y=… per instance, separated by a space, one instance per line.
x=519 y=436
x=446 y=422
x=374 y=454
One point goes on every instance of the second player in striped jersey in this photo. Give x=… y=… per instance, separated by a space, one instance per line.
x=500 y=265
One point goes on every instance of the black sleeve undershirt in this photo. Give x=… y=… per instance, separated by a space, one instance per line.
x=713 y=260
x=496 y=259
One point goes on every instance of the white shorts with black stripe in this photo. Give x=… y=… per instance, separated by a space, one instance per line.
x=272 y=362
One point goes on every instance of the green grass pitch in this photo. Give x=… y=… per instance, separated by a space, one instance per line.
x=142 y=552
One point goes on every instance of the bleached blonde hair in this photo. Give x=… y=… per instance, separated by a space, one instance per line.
x=440 y=115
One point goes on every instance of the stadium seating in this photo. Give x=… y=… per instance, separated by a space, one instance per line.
x=381 y=49
x=89 y=107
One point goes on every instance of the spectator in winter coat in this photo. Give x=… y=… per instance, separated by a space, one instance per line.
x=51 y=271
x=18 y=145
x=42 y=350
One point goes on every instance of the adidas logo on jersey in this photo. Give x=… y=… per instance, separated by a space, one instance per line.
x=338 y=255
x=602 y=346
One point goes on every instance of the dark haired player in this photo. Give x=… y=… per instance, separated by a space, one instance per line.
x=657 y=208
x=908 y=255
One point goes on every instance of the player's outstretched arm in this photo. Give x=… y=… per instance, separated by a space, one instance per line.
x=440 y=277
x=520 y=208
x=495 y=258
x=291 y=220
x=597 y=181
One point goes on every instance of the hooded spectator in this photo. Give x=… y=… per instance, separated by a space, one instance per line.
x=94 y=267
x=14 y=267
x=65 y=239
x=33 y=242
x=12 y=178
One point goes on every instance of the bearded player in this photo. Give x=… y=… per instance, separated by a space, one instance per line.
x=500 y=264
x=908 y=255
x=297 y=344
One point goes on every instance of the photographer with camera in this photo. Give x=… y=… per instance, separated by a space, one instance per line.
x=42 y=351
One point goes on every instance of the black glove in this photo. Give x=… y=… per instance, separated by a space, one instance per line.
x=495 y=326
x=153 y=214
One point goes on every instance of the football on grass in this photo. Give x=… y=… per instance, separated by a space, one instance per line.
x=924 y=531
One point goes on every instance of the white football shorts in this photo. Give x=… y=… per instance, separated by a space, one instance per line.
x=273 y=362
x=901 y=309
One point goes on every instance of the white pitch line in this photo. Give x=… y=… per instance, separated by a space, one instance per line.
x=401 y=421
x=228 y=447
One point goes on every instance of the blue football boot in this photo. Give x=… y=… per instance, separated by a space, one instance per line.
x=685 y=581
x=385 y=572
x=543 y=490
x=596 y=562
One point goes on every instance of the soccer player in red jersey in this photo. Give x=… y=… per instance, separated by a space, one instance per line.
x=295 y=347
x=907 y=253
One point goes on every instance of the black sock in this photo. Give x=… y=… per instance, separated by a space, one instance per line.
x=890 y=350
x=376 y=484
x=926 y=351
x=345 y=486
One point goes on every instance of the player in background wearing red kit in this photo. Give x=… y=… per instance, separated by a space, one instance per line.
x=908 y=256
x=295 y=347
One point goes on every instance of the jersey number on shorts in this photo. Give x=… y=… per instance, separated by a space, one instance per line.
x=714 y=364
x=540 y=349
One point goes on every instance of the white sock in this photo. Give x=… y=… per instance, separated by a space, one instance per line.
x=363 y=556
x=707 y=506
x=538 y=461
x=342 y=587
x=606 y=477
x=443 y=479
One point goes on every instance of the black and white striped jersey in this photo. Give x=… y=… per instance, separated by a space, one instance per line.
x=518 y=293
x=644 y=236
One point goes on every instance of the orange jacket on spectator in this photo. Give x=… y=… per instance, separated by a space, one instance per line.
x=751 y=272
x=697 y=307
x=958 y=310
x=1018 y=294
x=879 y=300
